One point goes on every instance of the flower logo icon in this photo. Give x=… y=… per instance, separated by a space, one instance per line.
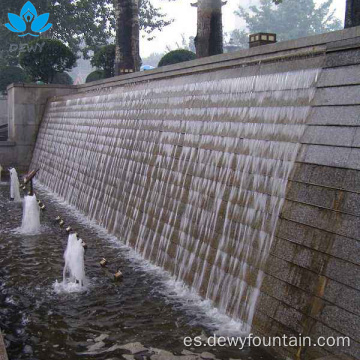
x=28 y=17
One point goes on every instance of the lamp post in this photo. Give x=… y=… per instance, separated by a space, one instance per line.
x=261 y=39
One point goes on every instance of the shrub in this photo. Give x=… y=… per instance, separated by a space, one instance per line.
x=104 y=59
x=55 y=57
x=177 y=56
x=63 y=78
x=95 y=75
x=11 y=74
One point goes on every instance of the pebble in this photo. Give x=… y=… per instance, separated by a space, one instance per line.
x=101 y=337
x=28 y=349
x=128 y=357
x=187 y=352
x=207 y=355
x=134 y=348
x=96 y=346
x=115 y=347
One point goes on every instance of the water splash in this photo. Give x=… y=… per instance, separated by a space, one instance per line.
x=14 y=185
x=74 y=270
x=31 y=216
x=192 y=176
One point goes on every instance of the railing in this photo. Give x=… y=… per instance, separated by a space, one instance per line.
x=3 y=132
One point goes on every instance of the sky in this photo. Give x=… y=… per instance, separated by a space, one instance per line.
x=184 y=16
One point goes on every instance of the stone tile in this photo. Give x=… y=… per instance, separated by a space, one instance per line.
x=302 y=172
x=352 y=180
x=335 y=115
x=267 y=304
x=321 y=329
x=341 y=320
x=342 y=58
x=339 y=76
x=328 y=135
x=328 y=176
x=354 y=159
x=276 y=292
x=345 y=95
x=343 y=272
x=289 y=317
x=351 y=203
x=310 y=215
x=327 y=155
x=312 y=194
x=342 y=296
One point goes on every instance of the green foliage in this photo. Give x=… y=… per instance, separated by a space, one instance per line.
x=240 y=37
x=177 y=56
x=104 y=59
x=95 y=75
x=11 y=74
x=55 y=57
x=80 y=23
x=291 y=19
x=63 y=78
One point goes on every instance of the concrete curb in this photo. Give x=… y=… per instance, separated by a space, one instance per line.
x=3 y=354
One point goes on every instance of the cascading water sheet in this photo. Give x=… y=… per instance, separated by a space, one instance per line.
x=193 y=176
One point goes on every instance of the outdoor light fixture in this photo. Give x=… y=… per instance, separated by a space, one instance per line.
x=261 y=39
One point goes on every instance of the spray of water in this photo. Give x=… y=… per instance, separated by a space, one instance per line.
x=31 y=216
x=14 y=185
x=74 y=269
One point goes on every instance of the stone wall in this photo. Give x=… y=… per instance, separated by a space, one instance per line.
x=25 y=104
x=312 y=283
x=3 y=110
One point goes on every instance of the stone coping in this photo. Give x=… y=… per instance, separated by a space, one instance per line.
x=7 y=143
x=307 y=46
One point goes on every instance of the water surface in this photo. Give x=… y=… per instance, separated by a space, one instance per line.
x=41 y=323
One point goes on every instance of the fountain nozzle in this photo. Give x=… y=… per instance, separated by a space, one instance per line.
x=118 y=275
x=103 y=262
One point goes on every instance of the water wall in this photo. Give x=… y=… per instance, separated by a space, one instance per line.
x=231 y=177
x=192 y=176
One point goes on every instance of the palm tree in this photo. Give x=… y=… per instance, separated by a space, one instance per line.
x=209 y=38
x=352 y=14
x=127 y=58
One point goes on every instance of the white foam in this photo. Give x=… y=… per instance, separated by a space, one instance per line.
x=190 y=301
x=68 y=287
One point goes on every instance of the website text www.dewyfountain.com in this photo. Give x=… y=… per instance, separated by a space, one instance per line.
x=256 y=341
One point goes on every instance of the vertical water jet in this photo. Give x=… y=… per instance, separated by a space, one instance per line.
x=31 y=216
x=14 y=185
x=74 y=269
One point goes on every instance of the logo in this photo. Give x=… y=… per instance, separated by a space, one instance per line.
x=28 y=18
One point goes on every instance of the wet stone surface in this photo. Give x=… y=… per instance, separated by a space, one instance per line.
x=132 y=319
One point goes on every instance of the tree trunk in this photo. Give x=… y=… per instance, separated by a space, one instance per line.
x=209 y=39
x=127 y=58
x=352 y=14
